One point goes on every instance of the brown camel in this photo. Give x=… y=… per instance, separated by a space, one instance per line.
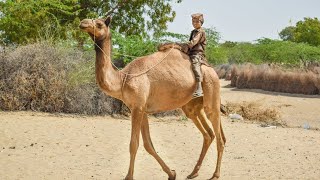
x=158 y=82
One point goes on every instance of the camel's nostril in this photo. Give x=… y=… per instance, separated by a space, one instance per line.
x=83 y=25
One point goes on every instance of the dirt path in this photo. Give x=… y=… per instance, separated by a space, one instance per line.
x=43 y=146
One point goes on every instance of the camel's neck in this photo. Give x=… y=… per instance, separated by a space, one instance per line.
x=107 y=77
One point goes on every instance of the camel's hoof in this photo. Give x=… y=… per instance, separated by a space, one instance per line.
x=191 y=176
x=174 y=175
x=214 y=178
x=128 y=178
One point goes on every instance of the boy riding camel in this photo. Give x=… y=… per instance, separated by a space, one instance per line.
x=195 y=48
x=197 y=44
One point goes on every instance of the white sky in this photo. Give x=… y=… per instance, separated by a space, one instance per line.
x=244 y=20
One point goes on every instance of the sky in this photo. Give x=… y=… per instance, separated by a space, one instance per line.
x=243 y=20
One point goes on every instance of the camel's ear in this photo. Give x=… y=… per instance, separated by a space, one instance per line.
x=108 y=20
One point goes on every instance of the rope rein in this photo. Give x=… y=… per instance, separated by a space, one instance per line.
x=127 y=74
x=136 y=74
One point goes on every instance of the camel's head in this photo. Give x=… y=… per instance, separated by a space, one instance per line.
x=98 y=29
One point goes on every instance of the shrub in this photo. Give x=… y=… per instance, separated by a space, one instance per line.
x=224 y=71
x=267 y=51
x=46 y=77
x=254 y=111
x=33 y=77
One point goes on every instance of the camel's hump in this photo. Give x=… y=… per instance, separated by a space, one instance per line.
x=166 y=46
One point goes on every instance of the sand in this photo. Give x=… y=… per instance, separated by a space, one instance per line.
x=58 y=146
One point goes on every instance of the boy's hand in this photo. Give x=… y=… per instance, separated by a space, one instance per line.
x=184 y=47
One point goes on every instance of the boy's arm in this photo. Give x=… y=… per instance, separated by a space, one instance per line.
x=194 y=41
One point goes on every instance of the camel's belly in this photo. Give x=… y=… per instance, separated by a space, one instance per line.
x=173 y=96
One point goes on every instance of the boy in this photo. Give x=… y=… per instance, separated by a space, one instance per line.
x=197 y=43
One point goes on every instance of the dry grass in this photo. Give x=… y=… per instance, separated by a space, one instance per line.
x=254 y=111
x=30 y=79
x=275 y=79
x=224 y=71
x=49 y=78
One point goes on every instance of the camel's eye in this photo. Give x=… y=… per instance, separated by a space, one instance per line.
x=99 y=25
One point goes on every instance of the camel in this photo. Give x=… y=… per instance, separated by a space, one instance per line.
x=158 y=82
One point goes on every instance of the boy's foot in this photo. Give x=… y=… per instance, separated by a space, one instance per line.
x=198 y=93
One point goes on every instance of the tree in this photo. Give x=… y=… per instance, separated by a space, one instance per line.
x=23 y=21
x=287 y=34
x=308 y=31
x=212 y=37
x=214 y=53
x=305 y=31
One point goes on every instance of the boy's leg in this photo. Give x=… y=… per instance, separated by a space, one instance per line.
x=195 y=60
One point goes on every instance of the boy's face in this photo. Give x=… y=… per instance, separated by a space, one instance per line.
x=196 y=23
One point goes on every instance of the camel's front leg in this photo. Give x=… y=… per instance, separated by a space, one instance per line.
x=150 y=149
x=136 y=119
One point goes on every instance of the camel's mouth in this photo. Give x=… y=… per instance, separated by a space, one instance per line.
x=84 y=24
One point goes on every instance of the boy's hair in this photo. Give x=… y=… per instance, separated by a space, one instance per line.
x=199 y=17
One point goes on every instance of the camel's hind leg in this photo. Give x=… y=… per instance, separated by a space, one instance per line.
x=212 y=108
x=150 y=149
x=222 y=134
x=194 y=111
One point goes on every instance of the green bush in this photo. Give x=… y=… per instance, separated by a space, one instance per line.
x=216 y=55
x=268 y=51
x=288 y=53
x=130 y=47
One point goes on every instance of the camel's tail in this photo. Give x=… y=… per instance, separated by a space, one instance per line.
x=223 y=109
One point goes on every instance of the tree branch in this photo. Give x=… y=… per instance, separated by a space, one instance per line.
x=120 y=3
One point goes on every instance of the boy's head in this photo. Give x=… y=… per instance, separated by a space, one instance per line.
x=197 y=20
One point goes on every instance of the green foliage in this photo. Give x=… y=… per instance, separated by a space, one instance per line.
x=287 y=34
x=308 y=31
x=131 y=47
x=25 y=21
x=240 y=53
x=214 y=54
x=212 y=37
x=165 y=37
x=133 y=18
x=228 y=44
x=271 y=51
x=305 y=31
x=285 y=52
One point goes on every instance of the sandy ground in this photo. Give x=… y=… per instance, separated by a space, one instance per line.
x=46 y=146
x=296 y=110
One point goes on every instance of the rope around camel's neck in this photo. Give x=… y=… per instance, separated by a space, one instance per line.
x=103 y=44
